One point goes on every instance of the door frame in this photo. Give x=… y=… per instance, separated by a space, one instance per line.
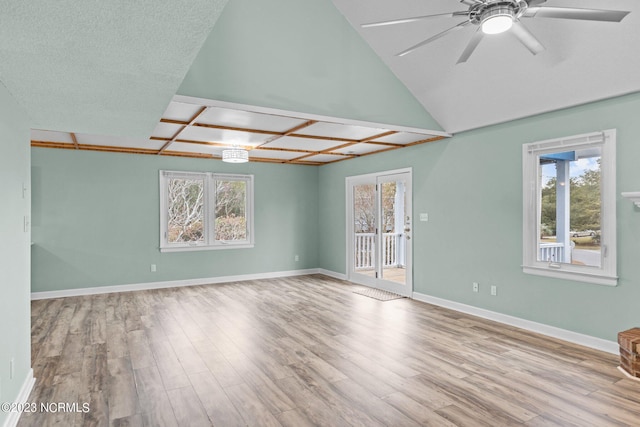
x=349 y=182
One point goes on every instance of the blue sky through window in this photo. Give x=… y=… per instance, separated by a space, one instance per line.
x=576 y=168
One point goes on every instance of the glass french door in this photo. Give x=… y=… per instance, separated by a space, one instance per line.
x=379 y=237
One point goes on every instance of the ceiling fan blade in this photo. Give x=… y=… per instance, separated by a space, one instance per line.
x=526 y=38
x=471 y=2
x=430 y=39
x=413 y=19
x=575 y=13
x=536 y=2
x=473 y=43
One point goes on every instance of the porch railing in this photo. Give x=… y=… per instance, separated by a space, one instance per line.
x=365 y=250
x=551 y=252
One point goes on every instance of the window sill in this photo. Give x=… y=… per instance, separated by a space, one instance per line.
x=597 y=279
x=205 y=248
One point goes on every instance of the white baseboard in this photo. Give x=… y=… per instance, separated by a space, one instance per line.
x=552 y=331
x=333 y=274
x=168 y=284
x=23 y=395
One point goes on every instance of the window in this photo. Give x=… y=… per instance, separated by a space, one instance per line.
x=569 y=217
x=200 y=211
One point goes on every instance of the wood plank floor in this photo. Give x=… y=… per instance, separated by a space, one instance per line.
x=308 y=351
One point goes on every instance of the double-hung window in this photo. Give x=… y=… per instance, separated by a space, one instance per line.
x=203 y=210
x=569 y=210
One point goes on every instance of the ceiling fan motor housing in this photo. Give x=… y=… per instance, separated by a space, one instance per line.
x=497 y=20
x=499 y=16
x=480 y=12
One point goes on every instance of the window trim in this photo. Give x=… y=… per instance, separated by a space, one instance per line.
x=209 y=243
x=607 y=273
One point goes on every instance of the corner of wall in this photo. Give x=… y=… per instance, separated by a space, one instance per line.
x=15 y=183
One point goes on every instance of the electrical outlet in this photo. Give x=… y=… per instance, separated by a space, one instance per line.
x=296 y=258
x=494 y=290
x=153 y=268
x=476 y=287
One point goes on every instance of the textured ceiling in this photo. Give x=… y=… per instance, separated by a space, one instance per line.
x=102 y=67
x=111 y=68
x=583 y=61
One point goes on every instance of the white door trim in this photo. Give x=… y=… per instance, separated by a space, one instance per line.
x=372 y=178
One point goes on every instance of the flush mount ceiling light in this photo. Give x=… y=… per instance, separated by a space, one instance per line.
x=235 y=155
x=498 y=16
x=497 y=20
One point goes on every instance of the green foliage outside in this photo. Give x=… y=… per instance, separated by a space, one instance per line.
x=585 y=203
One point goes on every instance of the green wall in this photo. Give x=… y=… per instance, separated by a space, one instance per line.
x=83 y=239
x=15 y=310
x=299 y=55
x=471 y=185
x=96 y=221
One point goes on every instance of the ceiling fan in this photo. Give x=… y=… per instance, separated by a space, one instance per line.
x=498 y=16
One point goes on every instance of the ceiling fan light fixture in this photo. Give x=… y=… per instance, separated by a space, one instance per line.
x=235 y=155
x=497 y=20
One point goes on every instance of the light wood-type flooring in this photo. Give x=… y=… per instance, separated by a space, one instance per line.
x=308 y=351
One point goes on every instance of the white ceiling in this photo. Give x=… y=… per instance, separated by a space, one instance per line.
x=82 y=69
x=195 y=127
x=584 y=61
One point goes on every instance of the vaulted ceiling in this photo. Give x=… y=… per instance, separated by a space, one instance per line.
x=584 y=61
x=100 y=67
x=111 y=69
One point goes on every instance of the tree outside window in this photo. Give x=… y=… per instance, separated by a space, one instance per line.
x=205 y=210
